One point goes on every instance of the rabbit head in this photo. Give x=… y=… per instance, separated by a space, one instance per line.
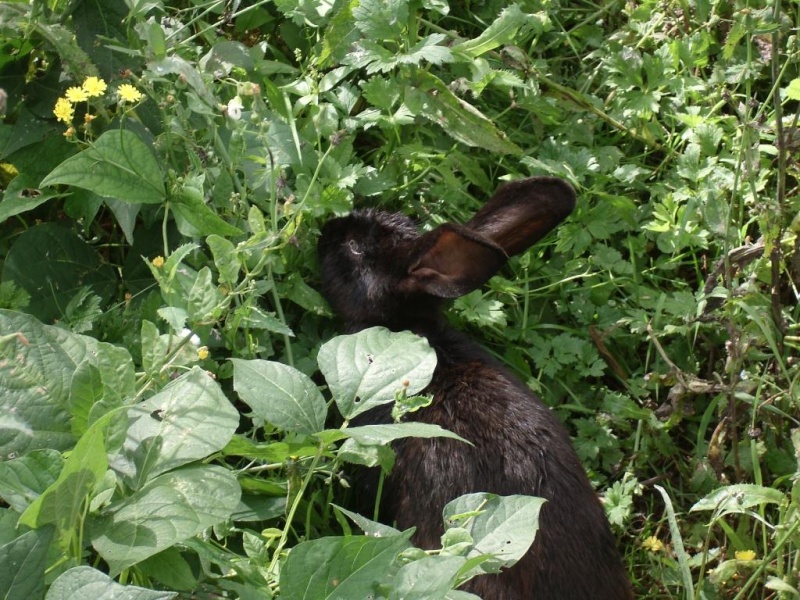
x=377 y=269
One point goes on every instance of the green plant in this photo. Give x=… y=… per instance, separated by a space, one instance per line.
x=162 y=223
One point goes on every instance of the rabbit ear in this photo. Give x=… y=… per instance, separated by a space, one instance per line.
x=523 y=212
x=452 y=261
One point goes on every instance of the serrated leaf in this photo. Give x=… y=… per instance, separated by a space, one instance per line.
x=191 y=418
x=86 y=582
x=339 y=568
x=430 y=97
x=169 y=509
x=280 y=394
x=225 y=258
x=366 y=369
x=739 y=498
x=118 y=165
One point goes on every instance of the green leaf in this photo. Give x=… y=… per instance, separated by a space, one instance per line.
x=428 y=578
x=793 y=89
x=385 y=434
x=340 y=567
x=381 y=19
x=504 y=526
x=225 y=258
x=189 y=204
x=119 y=165
x=191 y=418
x=254 y=318
x=203 y=298
x=86 y=582
x=22 y=565
x=53 y=264
x=739 y=498
x=64 y=502
x=430 y=97
x=171 y=508
x=368 y=368
x=502 y=31
x=280 y=395
x=36 y=369
x=23 y=479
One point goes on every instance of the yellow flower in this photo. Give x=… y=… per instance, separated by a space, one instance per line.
x=64 y=111
x=128 y=93
x=87 y=118
x=653 y=544
x=76 y=94
x=158 y=262
x=94 y=86
x=202 y=352
x=744 y=555
x=69 y=132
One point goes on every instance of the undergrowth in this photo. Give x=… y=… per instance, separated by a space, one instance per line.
x=166 y=167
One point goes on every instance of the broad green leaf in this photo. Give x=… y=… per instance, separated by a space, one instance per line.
x=385 y=434
x=224 y=56
x=739 y=498
x=340 y=568
x=63 y=503
x=430 y=97
x=22 y=565
x=190 y=419
x=280 y=395
x=86 y=391
x=23 y=479
x=175 y=65
x=505 y=526
x=169 y=509
x=426 y=579
x=793 y=89
x=255 y=318
x=119 y=165
x=169 y=568
x=86 y=582
x=53 y=264
x=190 y=205
x=36 y=368
x=369 y=527
x=368 y=368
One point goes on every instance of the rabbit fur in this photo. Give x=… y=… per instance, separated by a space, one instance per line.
x=377 y=269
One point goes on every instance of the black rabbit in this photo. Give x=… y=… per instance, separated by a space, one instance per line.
x=377 y=269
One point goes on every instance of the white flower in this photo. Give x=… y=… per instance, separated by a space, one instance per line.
x=194 y=340
x=234 y=108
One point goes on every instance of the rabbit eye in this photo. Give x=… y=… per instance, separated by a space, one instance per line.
x=353 y=246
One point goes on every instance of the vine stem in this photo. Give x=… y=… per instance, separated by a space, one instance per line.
x=293 y=509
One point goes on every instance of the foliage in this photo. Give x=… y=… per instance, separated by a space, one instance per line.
x=166 y=166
